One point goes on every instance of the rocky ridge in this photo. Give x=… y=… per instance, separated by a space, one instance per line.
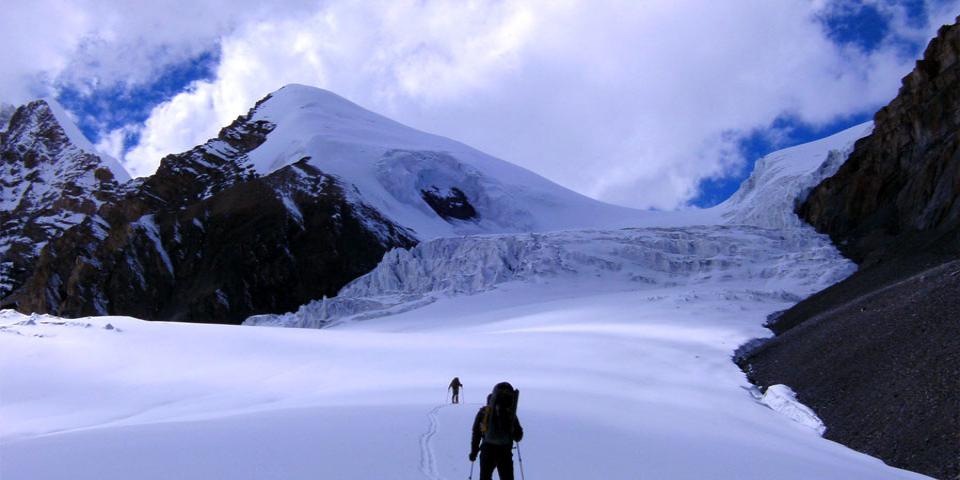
x=207 y=238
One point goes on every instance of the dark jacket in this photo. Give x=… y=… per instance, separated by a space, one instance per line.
x=478 y=435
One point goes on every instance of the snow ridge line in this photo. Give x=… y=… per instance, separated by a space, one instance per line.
x=428 y=460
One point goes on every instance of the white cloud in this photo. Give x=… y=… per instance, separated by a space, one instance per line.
x=381 y=55
x=631 y=102
x=36 y=46
x=87 y=44
x=112 y=143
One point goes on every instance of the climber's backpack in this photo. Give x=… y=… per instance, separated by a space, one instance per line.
x=499 y=416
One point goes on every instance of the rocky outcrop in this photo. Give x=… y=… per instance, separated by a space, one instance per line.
x=450 y=204
x=207 y=239
x=49 y=182
x=877 y=356
x=901 y=184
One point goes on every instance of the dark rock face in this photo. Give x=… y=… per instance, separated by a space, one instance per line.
x=452 y=204
x=47 y=185
x=905 y=177
x=877 y=356
x=206 y=239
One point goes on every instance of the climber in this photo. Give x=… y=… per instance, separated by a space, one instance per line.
x=455 y=385
x=497 y=426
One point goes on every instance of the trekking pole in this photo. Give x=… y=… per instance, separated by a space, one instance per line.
x=520 y=457
x=471 y=472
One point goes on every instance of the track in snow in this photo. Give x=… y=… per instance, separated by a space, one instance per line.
x=428 y=460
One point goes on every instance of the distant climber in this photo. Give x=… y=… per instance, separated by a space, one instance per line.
x=455 y=385
x=498 y=427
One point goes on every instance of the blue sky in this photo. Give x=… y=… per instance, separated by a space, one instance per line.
x=105 y=109
x=658 y=105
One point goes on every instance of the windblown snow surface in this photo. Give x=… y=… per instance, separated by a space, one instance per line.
x=619 y=340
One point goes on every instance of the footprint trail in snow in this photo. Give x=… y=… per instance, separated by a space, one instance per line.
x=428 y=460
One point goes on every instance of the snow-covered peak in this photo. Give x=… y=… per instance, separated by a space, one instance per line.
x=77 y=138
x=322 y=113
x=47 y=155
x=434 y=185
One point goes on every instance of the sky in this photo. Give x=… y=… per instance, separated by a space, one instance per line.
x=649 y=103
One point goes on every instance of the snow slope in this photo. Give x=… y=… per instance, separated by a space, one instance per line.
x=619 y=340
x=390 y=164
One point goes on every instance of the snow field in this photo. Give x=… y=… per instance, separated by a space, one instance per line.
x=632 y=384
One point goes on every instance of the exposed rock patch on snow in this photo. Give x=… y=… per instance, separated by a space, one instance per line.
x=45 y=326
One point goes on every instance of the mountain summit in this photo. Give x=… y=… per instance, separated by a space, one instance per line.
x=430 y=184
